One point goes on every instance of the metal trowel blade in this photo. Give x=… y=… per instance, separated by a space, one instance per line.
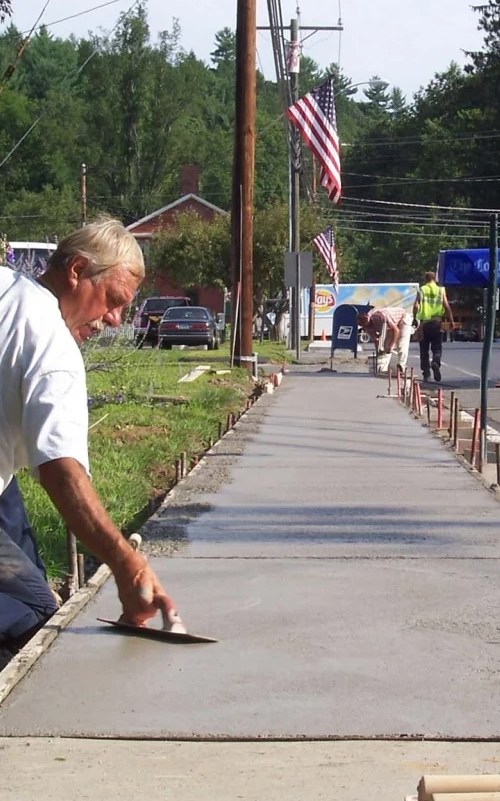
x=156 y=634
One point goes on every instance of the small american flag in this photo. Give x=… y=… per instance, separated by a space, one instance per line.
x=325 y=245
x=314 y=117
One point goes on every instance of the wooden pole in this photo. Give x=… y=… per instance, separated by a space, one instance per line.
x=72 y=574
x=83 y=194
x=452 y=407
x=475 y=436
x=243 y=181
x=430 y=785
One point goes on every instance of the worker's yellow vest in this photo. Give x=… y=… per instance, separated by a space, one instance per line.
x=431 y=302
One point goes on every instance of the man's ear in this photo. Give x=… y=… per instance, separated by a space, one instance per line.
x=74 y=270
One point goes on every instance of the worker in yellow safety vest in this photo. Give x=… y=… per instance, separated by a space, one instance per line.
x=429 y=309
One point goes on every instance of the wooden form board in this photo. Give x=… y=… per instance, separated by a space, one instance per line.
x=443 y=788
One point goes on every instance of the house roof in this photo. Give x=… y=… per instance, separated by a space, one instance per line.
x=173 y=205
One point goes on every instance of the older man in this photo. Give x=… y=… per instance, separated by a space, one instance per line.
x=390 y=329
x=91 y=277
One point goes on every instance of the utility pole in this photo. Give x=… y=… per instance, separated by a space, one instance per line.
x=295 y=171
x=83 y=194
x=295 y=165
x=243 y=184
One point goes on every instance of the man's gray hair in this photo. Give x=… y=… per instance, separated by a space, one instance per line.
x=104 y=244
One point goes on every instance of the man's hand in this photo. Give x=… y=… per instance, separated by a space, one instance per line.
x=141 y=594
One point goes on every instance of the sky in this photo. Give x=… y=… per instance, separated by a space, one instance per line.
x=404 y=42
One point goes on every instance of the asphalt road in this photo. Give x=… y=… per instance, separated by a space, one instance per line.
x=461 y=372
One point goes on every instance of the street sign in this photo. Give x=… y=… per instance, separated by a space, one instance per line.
x=300 y=269
x=465 y=267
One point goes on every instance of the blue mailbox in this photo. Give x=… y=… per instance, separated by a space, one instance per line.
x=345 y=327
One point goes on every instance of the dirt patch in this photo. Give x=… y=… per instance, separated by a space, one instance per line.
x=130 y=434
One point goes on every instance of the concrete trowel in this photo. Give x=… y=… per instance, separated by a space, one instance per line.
x=173 y=629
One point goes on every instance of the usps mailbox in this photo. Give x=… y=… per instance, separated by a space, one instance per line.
x=345 y=327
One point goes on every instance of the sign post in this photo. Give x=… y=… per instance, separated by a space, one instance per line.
x=488 y=338
x=298 y=274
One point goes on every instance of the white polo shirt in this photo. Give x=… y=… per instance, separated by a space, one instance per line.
x=43 y=395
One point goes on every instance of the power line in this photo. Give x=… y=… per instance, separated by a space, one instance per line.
x=73 y=16
x=495 y=134
x=443 y=235
x=75 y=75
x=420 y=205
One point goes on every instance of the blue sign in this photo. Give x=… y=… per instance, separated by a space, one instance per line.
x=345 y=328
x=465 y=267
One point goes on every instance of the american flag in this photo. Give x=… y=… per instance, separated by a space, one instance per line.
x=314 y=117
x=325 y=245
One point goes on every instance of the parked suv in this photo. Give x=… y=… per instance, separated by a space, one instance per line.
x=149 y=315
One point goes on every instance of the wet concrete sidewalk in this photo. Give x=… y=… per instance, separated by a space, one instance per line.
x=350 y=567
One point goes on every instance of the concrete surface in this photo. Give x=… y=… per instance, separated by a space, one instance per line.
x=341 y=600
x=97 y=770
x=350 y=567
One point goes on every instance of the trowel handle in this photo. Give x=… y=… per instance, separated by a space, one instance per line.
x=135 y=541
x=172 y=622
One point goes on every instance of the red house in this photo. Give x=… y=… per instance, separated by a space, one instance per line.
x=190 y=201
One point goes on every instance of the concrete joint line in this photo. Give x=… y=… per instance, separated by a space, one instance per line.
x=22 y=663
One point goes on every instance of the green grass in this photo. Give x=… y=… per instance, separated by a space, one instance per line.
x=133 y=444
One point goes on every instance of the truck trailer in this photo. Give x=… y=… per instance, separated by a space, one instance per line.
x=327 y=300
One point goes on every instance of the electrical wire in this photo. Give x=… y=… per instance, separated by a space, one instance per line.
x=75 y=75
x=73 y=16
x=442 y=235
x=340 y=33
x=406 y=140
x=421 y=205
x=20 y=51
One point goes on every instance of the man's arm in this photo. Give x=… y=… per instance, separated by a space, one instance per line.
x=394 y=335
x=71 y=492
x=416 y=307
x=447 y=308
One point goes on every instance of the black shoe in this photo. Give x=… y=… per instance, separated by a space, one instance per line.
x=436 y=371
x=427 y=376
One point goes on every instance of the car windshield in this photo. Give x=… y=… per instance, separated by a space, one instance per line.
x=186 y=313
x=161 y=304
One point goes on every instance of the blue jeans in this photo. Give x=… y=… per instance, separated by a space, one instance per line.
x=26 y=601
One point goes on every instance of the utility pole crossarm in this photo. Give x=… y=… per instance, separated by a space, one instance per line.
x=305 y=28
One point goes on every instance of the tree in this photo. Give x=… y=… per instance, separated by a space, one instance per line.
x=5 y=9
x=376 y=94
x=225 y=50
x=194 y=252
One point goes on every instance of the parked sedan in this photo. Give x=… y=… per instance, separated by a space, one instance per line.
x=191 y=325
